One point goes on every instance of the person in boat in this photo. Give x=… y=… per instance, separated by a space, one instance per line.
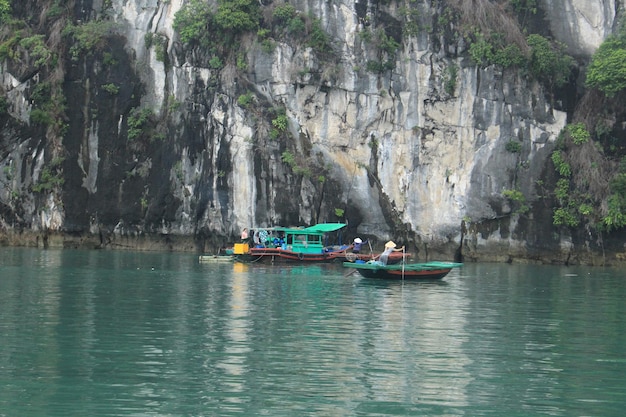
x=264 y=238
x=389 y=247
x=244 y=235
x=357 y=244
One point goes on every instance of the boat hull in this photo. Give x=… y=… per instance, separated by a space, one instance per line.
x=423 y=271
x=282 y=255
x=285 y=255
x=382 y=274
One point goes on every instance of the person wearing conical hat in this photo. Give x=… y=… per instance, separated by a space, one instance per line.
x=389 y=247
x=357 y=244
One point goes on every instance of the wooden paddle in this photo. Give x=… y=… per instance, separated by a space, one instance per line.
x=349 y=273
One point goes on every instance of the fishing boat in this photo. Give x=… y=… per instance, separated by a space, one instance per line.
x=301 y=244
x=427 y=270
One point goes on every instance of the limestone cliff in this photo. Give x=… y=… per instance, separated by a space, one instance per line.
x=184 y=142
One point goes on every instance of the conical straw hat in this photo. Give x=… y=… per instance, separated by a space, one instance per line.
x=390 y=244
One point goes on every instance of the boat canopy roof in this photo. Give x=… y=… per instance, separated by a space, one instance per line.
x=317 y=229
x=323 y=228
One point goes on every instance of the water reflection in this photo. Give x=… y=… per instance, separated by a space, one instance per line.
x=531 y=327
x=392 y=283
x=93 y=333
x=412 y=342
x=237 y=325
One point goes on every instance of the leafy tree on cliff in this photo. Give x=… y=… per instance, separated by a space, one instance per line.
x=193 y=21
x=548 y=61
x=607 y=71
x=197 y=23
x=237 y=16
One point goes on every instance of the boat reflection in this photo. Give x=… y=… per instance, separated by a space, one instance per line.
x=387 y=283
x=232 y=361
x=411 y=339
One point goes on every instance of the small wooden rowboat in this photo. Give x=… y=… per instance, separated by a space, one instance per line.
x=215 y=258
x=426 y=270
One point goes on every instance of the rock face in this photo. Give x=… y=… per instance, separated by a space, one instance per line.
x=587 y=24
x=404 y=153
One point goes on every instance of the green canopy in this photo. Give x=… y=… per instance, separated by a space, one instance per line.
x=323 y=228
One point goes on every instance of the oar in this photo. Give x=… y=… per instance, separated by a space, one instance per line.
x=403 y=262
x=349 y=273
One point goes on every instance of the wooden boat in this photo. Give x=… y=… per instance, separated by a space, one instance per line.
x=215 y=258
x=426 y=270
x=301 y=244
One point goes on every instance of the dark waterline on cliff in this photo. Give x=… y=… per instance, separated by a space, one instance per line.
x=124 y=333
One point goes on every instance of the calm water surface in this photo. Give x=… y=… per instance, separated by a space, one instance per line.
x=98 y=333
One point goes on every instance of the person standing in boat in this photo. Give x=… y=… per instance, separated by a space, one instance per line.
x=244 y=235
x=357 y=244
x=389 y=247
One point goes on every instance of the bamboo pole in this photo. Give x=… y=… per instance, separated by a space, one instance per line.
x=403 y=250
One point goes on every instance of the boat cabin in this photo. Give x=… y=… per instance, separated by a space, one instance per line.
x=309 y=239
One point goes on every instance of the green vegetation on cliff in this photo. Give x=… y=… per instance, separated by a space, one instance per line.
x=197 y=24
x=89 y=37
x=591 y=154
x=607 y=71
x=5 y=10
x=496 y=39
x=591 y=189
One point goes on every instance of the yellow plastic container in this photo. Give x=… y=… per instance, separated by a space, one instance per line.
x=241 y=248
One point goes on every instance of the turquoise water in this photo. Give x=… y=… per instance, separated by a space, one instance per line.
x=98 y=333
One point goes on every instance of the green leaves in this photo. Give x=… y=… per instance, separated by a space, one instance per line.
x=37 y=48
x=284 y=13
x=607 y=71
x=579 y=133
x=88 y=37
x=548 y=61
x=192 y=22
x=138 y=119
x=561 y=165
x=5 y=10
x=481 y=50
x=318 y=39
x=237 y=15
x=198 y=24
x=517 y=197
x=616 y=217
x=280 y=122
x=513 y=146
